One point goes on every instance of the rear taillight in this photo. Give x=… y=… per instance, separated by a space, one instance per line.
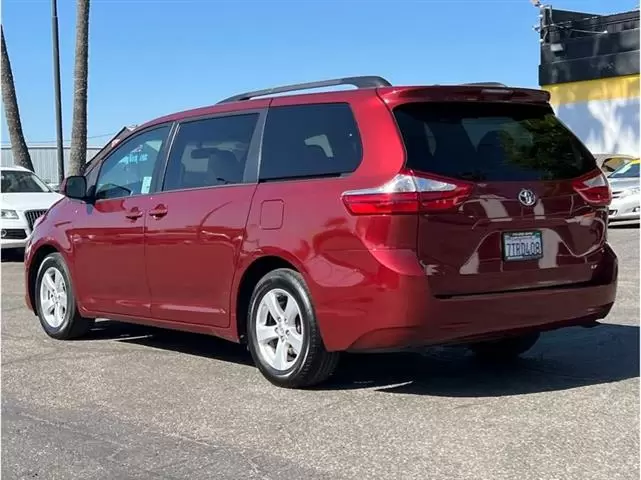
x=594 y=188
x=408 y=192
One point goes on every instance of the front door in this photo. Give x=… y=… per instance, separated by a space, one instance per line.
x=108 y=233
x=196 y=225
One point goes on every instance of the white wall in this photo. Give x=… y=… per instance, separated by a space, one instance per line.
x=605 y=126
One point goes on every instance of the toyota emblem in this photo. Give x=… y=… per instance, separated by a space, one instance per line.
x=527 y=197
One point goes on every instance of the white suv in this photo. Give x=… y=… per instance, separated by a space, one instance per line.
x=24 y=197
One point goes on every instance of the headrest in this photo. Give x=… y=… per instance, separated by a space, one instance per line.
x=492 y=138
x=201 y=153
x=315 y=153
x=224 y=156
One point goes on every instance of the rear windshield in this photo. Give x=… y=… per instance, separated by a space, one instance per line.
x=490 y=142
x=631 y=170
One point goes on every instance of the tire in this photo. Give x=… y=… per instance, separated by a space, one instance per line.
x=505 y=348
x=63 y=322
x=277 y=358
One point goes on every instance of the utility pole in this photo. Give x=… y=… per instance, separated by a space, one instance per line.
x=56 y=80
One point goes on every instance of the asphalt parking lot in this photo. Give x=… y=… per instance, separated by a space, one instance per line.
x=137 y=403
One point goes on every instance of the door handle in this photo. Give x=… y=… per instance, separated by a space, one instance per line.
x=133 y=214
x=158 y=212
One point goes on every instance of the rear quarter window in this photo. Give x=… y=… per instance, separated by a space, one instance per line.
x=307 y=141
x=490 y=142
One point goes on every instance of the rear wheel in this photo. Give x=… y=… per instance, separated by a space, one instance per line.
x=55 y=302
x=504 y=348
x=284 y=338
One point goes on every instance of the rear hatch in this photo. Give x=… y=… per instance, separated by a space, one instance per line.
x=530 y=204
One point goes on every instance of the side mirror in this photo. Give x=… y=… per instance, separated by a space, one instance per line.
x=74 y=187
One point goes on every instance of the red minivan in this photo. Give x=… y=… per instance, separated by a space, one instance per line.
x=305 y=225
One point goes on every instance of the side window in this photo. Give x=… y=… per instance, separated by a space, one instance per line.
x=310 y=141
x=129 y=170
x=210 y=152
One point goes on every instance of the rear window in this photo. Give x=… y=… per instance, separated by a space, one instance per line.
x=307 y=141
x=630 y=170
x=490 y=142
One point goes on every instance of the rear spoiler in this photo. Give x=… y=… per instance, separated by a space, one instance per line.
x=490 y=92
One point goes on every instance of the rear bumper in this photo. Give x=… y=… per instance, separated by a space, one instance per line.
x=8 y=244
x=409 y=316
x=493 y=316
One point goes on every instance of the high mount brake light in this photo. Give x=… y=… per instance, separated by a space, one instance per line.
x=594 y=188
x=498 y=91
x=408 y=192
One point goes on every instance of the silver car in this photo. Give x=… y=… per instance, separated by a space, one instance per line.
x=624 y=182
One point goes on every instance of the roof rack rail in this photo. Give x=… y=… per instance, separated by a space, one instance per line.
x=358 y=82
x=486 y=84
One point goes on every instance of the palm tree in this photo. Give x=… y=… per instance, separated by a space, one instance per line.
x=18 y=145
x=78 y=153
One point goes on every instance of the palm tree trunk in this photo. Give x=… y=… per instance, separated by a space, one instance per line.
x=18 y=145
x=78 y=153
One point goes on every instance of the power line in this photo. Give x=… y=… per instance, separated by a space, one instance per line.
x=69 y=140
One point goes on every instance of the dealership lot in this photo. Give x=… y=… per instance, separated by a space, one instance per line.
x=134 y=402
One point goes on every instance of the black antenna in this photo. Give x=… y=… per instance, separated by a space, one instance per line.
x=358 y=82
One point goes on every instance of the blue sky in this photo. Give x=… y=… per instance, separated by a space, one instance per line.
x=152 y=57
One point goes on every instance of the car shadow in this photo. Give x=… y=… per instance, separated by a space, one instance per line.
x=561 y=360
x=624 y=226
x=172 y=340
x=12 y=256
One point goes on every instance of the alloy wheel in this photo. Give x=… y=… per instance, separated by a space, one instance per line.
x=53 y=297
x=279 y=329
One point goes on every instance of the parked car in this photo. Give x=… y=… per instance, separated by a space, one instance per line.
x=24 y=198
x=305 y=225
x=624 y=183
x=55 y=187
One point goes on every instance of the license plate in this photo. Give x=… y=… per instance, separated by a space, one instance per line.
x=522 y=246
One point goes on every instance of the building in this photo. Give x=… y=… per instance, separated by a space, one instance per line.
x=45 y=159
x=590 y=65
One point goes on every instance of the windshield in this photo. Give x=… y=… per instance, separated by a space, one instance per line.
x=15 y=181
x=630 y=170
x=490 y=142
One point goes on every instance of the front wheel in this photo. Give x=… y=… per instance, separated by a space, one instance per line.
x=505 y=348
x=55 y=302
x=284 y=338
